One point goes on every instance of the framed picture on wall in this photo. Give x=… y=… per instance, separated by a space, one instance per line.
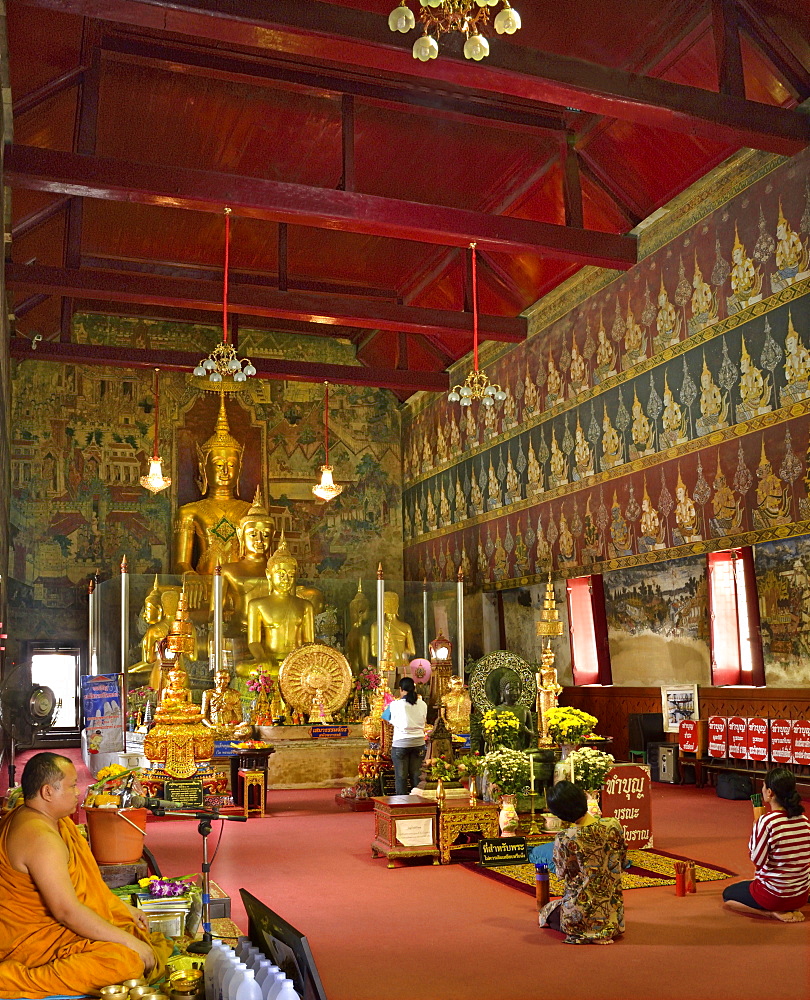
x=678 y=702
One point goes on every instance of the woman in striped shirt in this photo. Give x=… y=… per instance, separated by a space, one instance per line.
x=780 y=850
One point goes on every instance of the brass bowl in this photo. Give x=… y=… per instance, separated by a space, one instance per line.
x=115 y=992
x=143 y=992
x=130 y=984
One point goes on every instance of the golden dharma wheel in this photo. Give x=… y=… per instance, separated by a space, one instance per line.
x=315 y=672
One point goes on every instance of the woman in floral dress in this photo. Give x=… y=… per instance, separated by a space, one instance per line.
x=589 y=857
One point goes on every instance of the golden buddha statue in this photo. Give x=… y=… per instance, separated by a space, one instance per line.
x=358 y=641
x=280 y=622
x=685 y=515
x=509 y=692
x=315 y=597
x=398 y=646
x=222 y=709
x=583 y=456
x=667 y=321
x=205 y=531
x=797 y=366
x=558 y=466
x=755 y=392
x=456 y=706
x=245 y=578
x=158 y=611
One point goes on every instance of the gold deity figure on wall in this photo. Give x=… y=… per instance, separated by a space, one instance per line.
x=773 y=497
x=685 y=515
x=797 y=366
x=245 y=578
x=755 y=392
x=398 y=646
x=456 y=706
x=667 y=321
x=281 y=622
x=205 y=531
x=222 y=708
x=746 y=280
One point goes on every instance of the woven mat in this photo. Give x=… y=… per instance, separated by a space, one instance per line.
x=649 y=868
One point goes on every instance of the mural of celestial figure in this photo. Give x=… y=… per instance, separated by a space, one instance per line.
x=565 y=543
x=501 y=564
x=605 y=356
x=792 y=256
x=651 y=531
x=673 y=420
x=643 y=432
x=725 y=507
x=667 y=321
x=755 y=391
x=554 y=385
x=521 y=554
x=703 y=302
x=445 y=518
x=476 y=496
x=459 y=501
x=577 y=372
x=513 y=487
x=591 y=538
x=583 y=456
x=687 y=528
x=430 y=516
x=773 y=497
x=746 y=280
x=535 y=473
x=205 y=530
x=797 y=367
x=713 y=406
x=612 y=445
x=558 y=466
x=530 y=395
x=493 y=489
x=621 y=544
x=635 y=341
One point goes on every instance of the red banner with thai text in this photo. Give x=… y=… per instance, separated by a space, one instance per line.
x=689 y=736
x=801 y=742
x=626 y=796
x=738 y=738
x=758 y=739
x=718 y=736
x=782 y=741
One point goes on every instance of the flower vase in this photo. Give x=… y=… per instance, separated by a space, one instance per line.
x=508 y=816
x=563 y=769
x=594 y=806
x=440 y=793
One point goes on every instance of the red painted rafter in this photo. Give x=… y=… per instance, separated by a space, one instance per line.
x=326 y=32
x=28 y=223
x=267 y=368
x=249 y=300
x=202 y=190
x=34 y=98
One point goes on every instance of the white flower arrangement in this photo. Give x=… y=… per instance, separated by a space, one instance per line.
x=508 y=769
x=590 y=767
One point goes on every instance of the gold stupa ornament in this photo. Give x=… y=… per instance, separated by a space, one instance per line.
x=178 y=741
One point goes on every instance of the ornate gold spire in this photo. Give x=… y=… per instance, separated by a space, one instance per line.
x=222 y=437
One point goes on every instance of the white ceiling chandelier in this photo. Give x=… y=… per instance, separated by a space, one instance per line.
x=439 y=17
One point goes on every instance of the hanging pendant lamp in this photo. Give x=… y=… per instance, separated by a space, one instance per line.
x=223 y=361
x=326 y=489
x=155 y=481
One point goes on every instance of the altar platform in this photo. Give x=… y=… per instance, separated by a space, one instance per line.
x=304 y=761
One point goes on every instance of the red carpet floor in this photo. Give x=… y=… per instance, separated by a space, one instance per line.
x=419 y=932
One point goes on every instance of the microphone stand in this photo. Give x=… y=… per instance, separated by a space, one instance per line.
x=206 y=817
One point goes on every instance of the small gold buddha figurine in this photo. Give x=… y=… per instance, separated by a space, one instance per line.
x=222 y=708
x=245 y=578
x=280 y=622
x=456 y=706
x=205 y=531
x=358 y=641
x=398 y=646
x=175 y=706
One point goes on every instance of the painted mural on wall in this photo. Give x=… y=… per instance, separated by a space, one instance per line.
x=665 y=415
x=82 y=436
x=783 y=586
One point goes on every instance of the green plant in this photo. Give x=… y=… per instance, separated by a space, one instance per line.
x=568 y=725
x=590 y=767
x=469 y=764
x=442 y=768
x=508 y=769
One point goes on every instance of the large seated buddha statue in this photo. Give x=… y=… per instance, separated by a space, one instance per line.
x=245 y=578
x=205 y=531
x=280 y=622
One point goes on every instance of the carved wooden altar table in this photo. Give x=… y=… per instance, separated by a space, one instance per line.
x=459 y=817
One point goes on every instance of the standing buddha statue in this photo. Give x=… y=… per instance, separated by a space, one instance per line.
x=398 y=646
x=205 y=531
x=358 y=641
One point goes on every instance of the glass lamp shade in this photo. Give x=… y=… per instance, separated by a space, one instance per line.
x=487 y=401
x=476 y=47
x=507 y=22
x=453 y=396
x=465 y=401
x=425 y=48
x=500 y=395
x=440 y=649
x=401 y=19
x=214 y=377
x=327 y=489
x=199 y=371
x=155 y=481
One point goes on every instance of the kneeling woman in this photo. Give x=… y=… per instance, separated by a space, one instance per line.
x=589 y=858
x=780 y=849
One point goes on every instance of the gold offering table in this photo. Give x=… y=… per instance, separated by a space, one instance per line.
x=404 y=827
x=457 y=817
x=302 y=761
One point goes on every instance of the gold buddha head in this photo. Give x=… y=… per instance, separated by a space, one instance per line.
x=222 y=680
x=391 y=602
x=152 y=608
x=220 y=458
x=255 y=529
x=281 y=569
x=359 y=607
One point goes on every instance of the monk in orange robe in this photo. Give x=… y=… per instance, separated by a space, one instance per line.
x=61 y=929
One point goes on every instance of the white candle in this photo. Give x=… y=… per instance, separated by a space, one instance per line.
x=531 y=773
x=572 y=768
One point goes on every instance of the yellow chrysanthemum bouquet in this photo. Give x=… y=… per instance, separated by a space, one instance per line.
x=569 y=725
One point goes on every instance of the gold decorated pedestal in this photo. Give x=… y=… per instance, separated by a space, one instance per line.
x=177 y=748
x=463 y=817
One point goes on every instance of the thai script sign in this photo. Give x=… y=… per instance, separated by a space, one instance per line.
x=328 y=732
x=782 y=741
x=718 y=736
x=738 y=738
x=626 y=797
x=689 y=736
x=801 y=742
x=503 y=851
x=758 y=739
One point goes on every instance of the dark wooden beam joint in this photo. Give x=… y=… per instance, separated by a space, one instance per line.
x=572 y=187
x=725 y=27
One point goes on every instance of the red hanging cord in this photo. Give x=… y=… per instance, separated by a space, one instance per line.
x=157 y=411
x=225 y=279
x=326 y=420
x=475 y=309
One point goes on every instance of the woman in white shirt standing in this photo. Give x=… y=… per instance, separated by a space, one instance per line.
x=780 y=850
x=407 y=715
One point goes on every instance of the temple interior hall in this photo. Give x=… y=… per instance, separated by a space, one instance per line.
x=460 y=341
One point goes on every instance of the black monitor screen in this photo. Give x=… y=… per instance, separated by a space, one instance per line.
x=284 y=946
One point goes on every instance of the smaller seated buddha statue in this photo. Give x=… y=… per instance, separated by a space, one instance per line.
x=509 y=703
x=245 y=578
x=456 y=706
x=175 y=706
x=222 y=708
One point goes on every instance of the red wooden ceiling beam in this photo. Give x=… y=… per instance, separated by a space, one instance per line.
x=330 y=34
x=249 y=300
x=266 y=368
x=40 y=169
